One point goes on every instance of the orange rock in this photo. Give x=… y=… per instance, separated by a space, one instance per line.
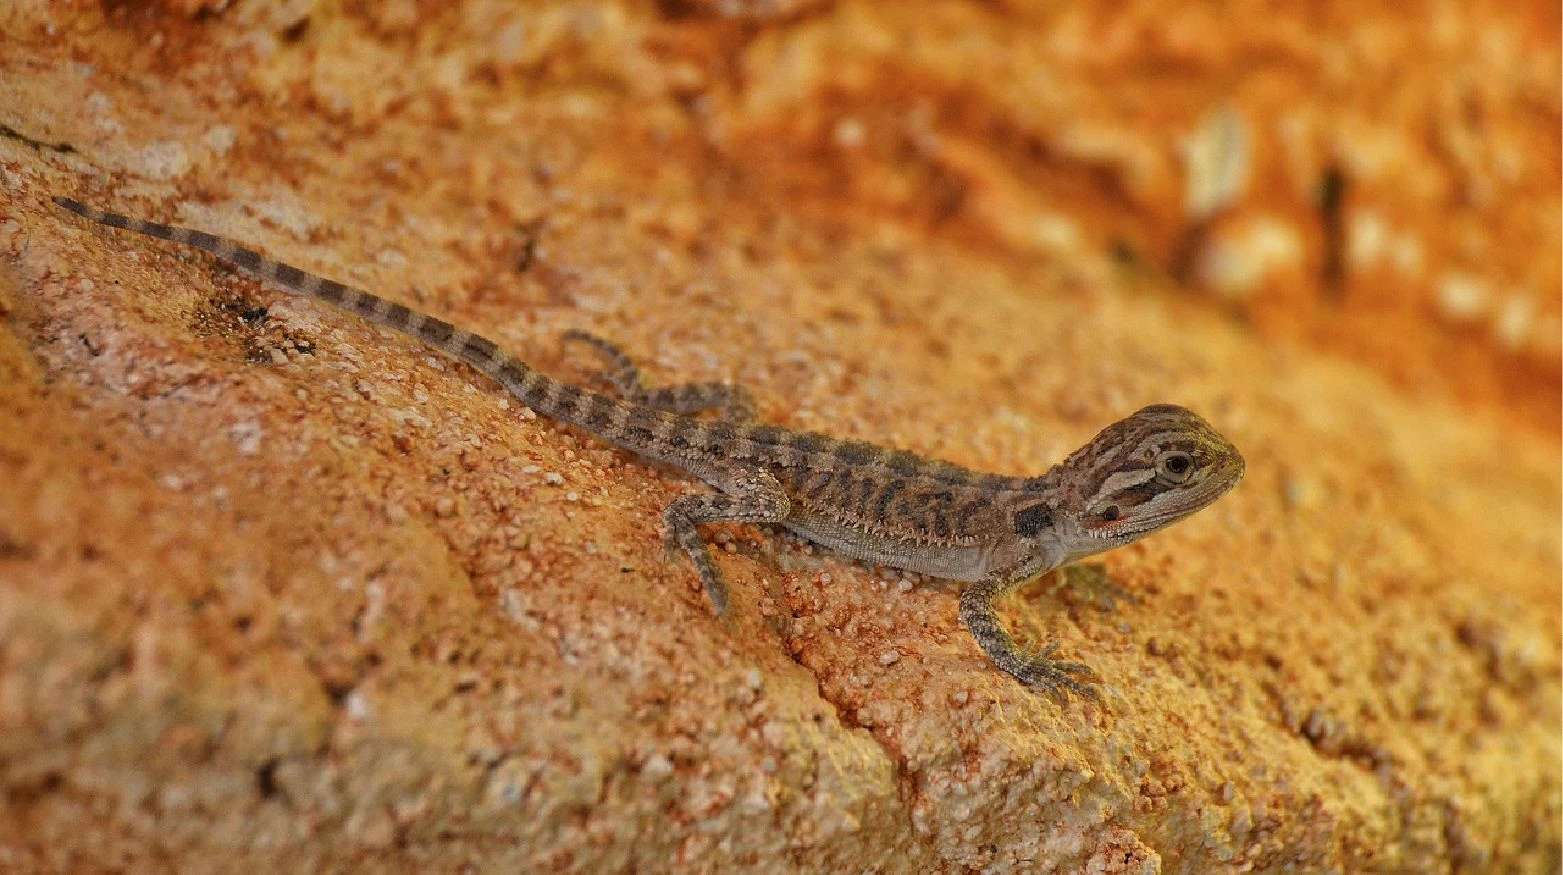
x=280 y=590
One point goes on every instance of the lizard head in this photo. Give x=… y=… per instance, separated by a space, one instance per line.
x=1140 y=474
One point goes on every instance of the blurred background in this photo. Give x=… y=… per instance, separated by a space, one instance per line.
x=1380 y=180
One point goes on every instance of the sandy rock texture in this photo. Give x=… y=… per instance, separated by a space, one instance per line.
x=282 y=591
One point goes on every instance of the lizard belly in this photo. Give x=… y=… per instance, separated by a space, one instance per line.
x=962 y=562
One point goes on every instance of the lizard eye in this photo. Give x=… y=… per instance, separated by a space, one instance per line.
x=1175 y=466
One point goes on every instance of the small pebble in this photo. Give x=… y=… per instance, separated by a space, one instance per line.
x=657 y=766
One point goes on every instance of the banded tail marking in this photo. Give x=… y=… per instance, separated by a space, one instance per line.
x=552 y=398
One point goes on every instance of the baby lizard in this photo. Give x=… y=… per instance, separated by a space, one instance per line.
x=879 y=505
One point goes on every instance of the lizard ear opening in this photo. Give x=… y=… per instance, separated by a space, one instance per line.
x=1033 y=519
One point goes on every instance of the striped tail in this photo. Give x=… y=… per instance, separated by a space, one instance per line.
x=553 y=398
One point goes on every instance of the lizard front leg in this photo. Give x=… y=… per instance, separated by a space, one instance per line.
x=1039 y=670
x=736 y=404
x=757 y=498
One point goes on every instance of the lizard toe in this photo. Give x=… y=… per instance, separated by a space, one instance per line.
x=1056 y=677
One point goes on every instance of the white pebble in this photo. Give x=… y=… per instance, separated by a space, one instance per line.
x=657 y=766
x=247 y=435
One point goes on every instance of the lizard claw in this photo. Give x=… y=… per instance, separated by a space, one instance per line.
x=1057 y=678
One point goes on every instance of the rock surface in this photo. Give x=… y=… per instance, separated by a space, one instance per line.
x=281 y=590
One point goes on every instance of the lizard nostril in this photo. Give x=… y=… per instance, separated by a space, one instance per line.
x=1110 y=512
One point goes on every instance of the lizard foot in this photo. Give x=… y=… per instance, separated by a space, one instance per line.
x=1056 y=677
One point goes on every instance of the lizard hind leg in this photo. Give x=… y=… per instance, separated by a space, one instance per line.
x=1090 y=583
x=748 y=500
x=735 y=404
x=1038 y=670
